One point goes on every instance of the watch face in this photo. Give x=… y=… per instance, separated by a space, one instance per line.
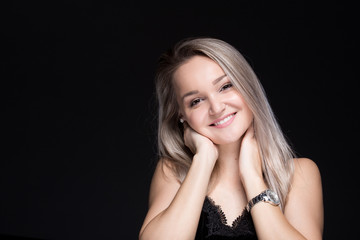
x=273 y=196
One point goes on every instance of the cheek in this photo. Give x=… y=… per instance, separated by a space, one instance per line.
x=197 y=119
x=247 y=113
x=246 y=117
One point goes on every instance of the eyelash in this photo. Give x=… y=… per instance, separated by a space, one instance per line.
x=197 y=100
x=194 y=102
x=226 y=86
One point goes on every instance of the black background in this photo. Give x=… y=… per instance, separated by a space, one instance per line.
x=79 y=109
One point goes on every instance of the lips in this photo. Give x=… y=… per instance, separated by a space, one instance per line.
x=223 y=121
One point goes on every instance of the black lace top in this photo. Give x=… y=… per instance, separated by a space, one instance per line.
x=213 y=224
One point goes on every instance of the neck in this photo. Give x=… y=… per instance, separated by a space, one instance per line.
x=228 y=163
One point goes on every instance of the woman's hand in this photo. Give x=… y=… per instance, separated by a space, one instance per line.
x=249 y=159
x=199 y=144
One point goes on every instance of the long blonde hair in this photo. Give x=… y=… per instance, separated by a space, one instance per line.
x=275 y=151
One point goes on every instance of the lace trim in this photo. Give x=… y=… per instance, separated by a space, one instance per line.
x=220 y=211
x=217 y=222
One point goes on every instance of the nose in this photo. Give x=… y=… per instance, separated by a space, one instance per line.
x=216 y=106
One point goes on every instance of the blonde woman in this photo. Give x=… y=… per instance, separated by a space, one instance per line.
x=225 y=169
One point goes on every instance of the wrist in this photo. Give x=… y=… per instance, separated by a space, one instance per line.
x=205 y=159
x=267 y=196
x=253 y=186
x=207 y=153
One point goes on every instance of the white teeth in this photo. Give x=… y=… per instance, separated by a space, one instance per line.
x=224 y=120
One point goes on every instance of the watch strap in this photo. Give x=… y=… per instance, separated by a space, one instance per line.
x=264 y=196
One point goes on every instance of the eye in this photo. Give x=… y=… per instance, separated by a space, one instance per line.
x=195 y=102
x=226 y=86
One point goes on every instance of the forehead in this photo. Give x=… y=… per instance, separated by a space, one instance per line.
x=195 y=73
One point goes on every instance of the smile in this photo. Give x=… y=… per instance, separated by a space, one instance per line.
x=224 y=122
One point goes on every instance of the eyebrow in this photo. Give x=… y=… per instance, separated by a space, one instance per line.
x=196 y=91
x=218 y=79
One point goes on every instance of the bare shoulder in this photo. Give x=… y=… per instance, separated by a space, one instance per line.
x=164 y=171
x=163 y=180
x=304 y=205
x=163 y=188
x=306 y=172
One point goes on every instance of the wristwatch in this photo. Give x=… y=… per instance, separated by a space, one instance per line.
x=268 y=196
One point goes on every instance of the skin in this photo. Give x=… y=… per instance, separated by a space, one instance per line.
x=206 y=96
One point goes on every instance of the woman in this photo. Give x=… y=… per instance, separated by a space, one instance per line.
x=225 y=168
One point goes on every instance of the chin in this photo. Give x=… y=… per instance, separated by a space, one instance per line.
x=225 y=141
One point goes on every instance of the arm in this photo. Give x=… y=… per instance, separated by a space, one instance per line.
x=304 y=208
x=303 y=213
x=174 y=208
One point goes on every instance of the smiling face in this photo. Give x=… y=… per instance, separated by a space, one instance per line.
x=209 y=102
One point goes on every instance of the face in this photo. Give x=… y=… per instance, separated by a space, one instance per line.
x=209 y=102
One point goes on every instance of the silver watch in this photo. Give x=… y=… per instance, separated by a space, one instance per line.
x=268 y=196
